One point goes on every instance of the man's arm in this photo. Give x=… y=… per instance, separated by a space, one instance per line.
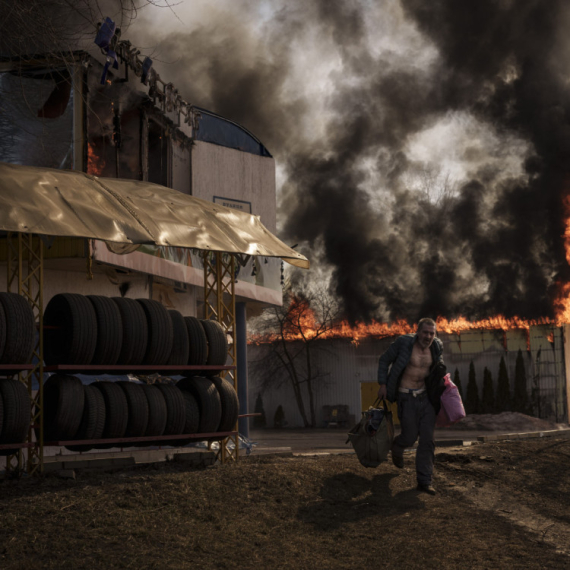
x=384 y=363
x=439 y=355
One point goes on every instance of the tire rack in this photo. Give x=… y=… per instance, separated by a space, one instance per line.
x=142 y=369
x=25 y=274
x=220 y=303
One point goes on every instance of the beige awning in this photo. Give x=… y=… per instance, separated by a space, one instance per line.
x=71 y=203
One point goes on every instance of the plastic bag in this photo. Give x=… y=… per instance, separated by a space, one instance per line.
x=452 y=409
x=372 y=436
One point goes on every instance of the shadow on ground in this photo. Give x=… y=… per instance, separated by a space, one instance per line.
x=348 y=497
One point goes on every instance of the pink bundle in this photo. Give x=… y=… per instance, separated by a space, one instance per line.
x=452 y=409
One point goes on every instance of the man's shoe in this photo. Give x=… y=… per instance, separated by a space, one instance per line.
x=397 y=460
x=426 y=489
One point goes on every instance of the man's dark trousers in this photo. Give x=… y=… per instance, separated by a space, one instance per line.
x=417 y=418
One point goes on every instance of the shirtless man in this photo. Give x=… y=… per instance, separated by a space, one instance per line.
x=402 y=370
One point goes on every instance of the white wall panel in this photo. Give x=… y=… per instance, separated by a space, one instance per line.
x=230 y=173
x=347 y=365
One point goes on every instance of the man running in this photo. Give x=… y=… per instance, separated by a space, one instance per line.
x=402 y=371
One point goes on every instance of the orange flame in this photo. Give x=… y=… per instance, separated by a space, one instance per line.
x=95 y=164
x=302 y=324
x=566 y=206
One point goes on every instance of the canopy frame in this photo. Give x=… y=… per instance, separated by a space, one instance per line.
x=220 y=304
x=25 y=276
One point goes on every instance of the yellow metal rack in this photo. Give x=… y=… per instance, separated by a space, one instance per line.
x=25 y=276
x=220 y=304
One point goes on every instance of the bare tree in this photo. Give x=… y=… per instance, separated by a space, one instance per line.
x=435 y=185
x=289 y=336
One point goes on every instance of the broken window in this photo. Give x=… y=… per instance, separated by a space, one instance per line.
x=36 y=118
x=101 y=150
x=114 y=120
x=157 y=151
x=181 y=161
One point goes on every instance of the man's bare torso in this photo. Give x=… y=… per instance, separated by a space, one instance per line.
x=418 y=368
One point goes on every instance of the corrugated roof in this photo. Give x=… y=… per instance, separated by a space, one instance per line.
x=70 y=203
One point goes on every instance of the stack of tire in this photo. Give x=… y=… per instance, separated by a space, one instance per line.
x=97 y=330
x=17 y=329
x=17 y=340
x=15 y=413
x=115 y=410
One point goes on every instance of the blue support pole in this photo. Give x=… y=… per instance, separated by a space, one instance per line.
x=241 y=353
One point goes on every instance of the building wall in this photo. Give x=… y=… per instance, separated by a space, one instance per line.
x=229 y=173
x=346 y=365
x=542 y=348
x=343 y=366
x=106 y=281
x=247 y=181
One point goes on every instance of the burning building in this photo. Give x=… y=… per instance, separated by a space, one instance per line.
x=112 y=116
x=345 y=364
x=125 y=122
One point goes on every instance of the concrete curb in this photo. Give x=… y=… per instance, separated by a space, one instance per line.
x=454 y=443
x=525 y=435
x=269 y=454
x=287 y=451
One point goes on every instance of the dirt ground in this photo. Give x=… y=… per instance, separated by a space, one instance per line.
x=500 y=505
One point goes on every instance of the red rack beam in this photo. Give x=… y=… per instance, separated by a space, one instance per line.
x=128 y=368
x=16 y=445
x=217 y=435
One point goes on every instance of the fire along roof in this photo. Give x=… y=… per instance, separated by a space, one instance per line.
x=76 y=204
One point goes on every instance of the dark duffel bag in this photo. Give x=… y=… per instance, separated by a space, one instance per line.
x=372 y=436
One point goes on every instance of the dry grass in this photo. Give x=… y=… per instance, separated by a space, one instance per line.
x=326 y=512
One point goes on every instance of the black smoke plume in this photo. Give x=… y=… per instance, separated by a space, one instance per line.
x=491 y=244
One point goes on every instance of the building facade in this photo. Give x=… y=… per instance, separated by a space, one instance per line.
x=347 y=371
x=128 y=123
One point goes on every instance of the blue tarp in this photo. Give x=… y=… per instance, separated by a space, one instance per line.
x=215 y=129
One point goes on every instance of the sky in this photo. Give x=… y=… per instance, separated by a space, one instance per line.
x=420 y=148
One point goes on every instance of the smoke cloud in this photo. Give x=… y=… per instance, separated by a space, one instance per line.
x=422 y=148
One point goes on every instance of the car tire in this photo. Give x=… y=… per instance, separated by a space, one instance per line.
x=157 y=413
x=198 y=343
x=217 y=343
x=192 y=423
x=138 y=409
x=208 y=399
x=109 y=330
x=180 y=344
x=20 y=329
x=64 y=400
x=70 y=335
x=160 y=334
x=230 y=404
x=135 y=331
x=17 y=408
x=116 y=412
x=175 y=411
x=92 y=420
